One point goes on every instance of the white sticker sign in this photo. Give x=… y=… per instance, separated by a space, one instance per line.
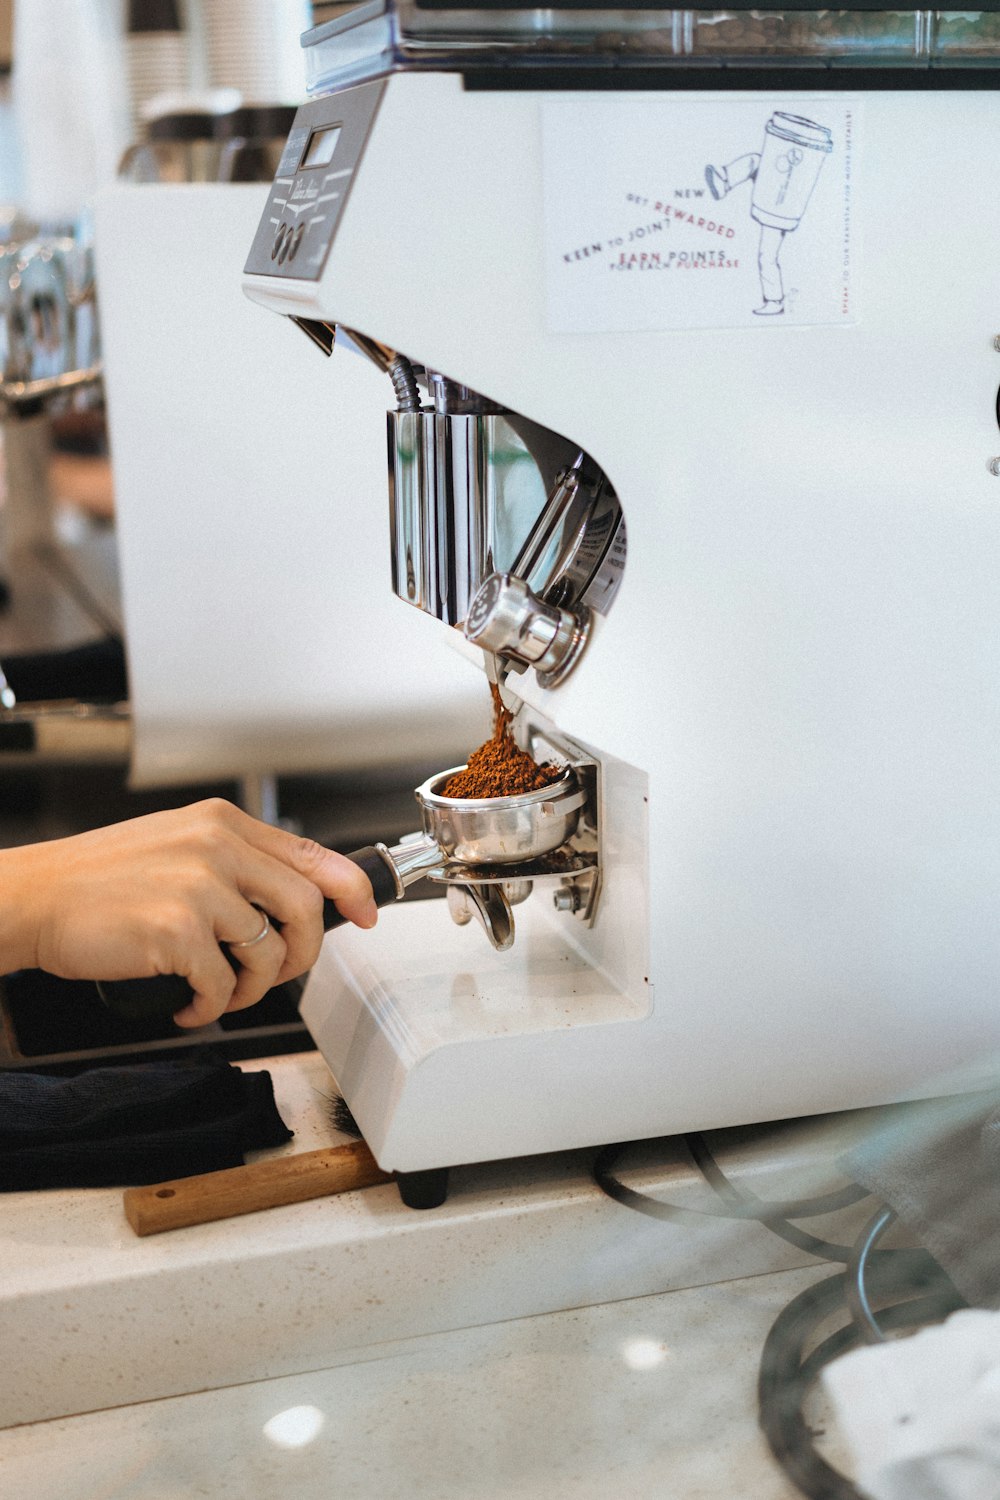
x=688 y=212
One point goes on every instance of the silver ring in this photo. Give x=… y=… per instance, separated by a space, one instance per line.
x=262 y=934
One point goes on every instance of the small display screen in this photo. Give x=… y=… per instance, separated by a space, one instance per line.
x=322 y=145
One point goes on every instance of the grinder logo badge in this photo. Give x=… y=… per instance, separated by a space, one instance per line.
x=675 y=213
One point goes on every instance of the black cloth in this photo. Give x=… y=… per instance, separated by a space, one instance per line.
x=116 y=1127
x=93 y=673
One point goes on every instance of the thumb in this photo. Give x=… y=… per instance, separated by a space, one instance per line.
x=340 y=880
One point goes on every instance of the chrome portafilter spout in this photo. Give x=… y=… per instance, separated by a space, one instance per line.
x=491 y=907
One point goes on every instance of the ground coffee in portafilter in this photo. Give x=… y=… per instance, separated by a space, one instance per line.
x=500 y=768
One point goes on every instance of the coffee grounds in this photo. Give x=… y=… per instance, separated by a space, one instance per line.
x=500 y=768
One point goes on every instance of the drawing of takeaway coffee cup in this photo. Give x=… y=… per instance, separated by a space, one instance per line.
x=793 y=152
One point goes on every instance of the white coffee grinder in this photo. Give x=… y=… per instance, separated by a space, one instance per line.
x=740 y=573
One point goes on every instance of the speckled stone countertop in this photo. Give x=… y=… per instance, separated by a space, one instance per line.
x=651 y=1398
x=529 y=1338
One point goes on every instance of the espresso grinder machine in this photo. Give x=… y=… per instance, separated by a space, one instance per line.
x=692 y=451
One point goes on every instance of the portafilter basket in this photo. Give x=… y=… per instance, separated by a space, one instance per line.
x=501 y=830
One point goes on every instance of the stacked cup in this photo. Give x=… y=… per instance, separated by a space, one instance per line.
x=157 y=56
x=253 y=46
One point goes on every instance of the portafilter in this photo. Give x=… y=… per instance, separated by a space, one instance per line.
x=457 y=831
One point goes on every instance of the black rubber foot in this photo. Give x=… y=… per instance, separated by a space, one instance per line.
x=427 y=1189
x=4 y=593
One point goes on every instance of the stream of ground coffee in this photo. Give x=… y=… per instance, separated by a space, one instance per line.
x=500 y=768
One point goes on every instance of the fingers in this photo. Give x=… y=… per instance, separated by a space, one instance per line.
x=184 y=882
x=288 y=877
x=213 y=981
x=336 y=876
x=219 y=983
x=261 y=965
x=219 y=987
x=320 y=872
x=295 y=908
x=344 y=882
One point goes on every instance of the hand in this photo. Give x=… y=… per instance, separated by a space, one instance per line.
x=158 y=894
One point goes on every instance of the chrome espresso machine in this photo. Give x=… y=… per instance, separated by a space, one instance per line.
x=690 y=324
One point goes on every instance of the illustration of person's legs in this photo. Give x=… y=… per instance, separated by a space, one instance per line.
x=771 y=284
x=722 y=180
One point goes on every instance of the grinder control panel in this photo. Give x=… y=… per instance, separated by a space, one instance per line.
x=313 y=180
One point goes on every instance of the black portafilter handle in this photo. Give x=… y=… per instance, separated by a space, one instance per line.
x=389 y=871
